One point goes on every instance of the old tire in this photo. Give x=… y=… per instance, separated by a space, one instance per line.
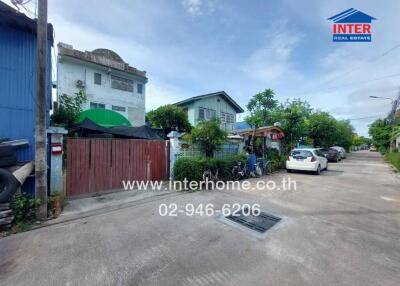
x=8 y=161
x=318 y=172
x=8 y=185
x=6 y=151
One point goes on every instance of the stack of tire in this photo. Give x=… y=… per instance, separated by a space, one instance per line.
x=8 y=156
x=8 y=185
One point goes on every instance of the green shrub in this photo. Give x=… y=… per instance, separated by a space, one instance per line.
x=277 y=160
x=383 y=150
x=271 y=154
x=278 y=163
x=192 y=168
x=394 y=159
x=24 y=207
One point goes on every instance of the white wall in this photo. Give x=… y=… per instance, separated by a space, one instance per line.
x=70 y=70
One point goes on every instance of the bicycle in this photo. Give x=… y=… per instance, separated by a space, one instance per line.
x=239 y=172
x=268 y=167
x=265 y=165
x=208 y=174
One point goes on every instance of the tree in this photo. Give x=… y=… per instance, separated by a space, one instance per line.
x=169 y=118
x=293 y=117
x=322 y=129
x=361 y=140
x=380 y=132
x=344 y=134
x=357 y=140
x=68 y=109
x=260 y=107
x=207 y=135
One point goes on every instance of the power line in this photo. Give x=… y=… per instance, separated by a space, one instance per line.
x=369 y=60
x=351 y=70
x=355 y=83
x=366 y=117
x=366 y=81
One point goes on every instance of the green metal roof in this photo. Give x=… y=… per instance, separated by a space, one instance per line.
x=104 y=117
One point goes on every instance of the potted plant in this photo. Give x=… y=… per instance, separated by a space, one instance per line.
x=55 y=204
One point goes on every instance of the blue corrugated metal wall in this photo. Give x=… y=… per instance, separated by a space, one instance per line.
x=18 y=89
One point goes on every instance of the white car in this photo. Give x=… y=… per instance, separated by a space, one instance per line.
x=341 y=151
x=309 y=159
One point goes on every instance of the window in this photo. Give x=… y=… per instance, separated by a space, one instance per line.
x=118 y=108
x=94 y=105
x=140 y=88
x=121 y=83
x=205 y=113
x=97 y=78
x=227 y=117
x=301 y=154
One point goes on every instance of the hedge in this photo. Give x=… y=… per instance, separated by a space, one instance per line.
x=394 y=159
x=192 y=168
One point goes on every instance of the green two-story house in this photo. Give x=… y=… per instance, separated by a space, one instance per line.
x=218 y=104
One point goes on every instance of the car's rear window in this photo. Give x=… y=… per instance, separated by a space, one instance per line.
x=301 y=153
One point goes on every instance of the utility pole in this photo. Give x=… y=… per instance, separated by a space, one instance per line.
x=41 y=107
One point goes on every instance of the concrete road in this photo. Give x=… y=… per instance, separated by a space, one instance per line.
x=340 y=228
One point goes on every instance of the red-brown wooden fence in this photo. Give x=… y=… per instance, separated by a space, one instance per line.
x=96 y=165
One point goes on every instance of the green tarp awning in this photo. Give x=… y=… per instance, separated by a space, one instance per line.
x=104 y=117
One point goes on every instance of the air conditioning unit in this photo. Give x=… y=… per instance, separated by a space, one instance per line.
x=80 y=83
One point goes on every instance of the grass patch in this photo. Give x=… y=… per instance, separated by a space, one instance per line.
x=394 y=159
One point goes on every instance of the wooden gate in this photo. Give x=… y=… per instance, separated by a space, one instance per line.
x=96 y=165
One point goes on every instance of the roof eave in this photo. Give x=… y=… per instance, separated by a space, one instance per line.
x=233 y=103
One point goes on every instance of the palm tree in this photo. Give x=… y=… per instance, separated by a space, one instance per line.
x=395 y=133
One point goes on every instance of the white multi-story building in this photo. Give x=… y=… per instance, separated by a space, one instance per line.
x=108 y=81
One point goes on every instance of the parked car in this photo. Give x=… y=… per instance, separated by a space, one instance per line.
x=341 y=151
x=331 y=154
x=373 y=149
x=308 y=159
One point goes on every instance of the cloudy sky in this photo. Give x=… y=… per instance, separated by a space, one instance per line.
x=191 y=47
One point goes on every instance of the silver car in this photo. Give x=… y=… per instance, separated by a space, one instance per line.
x=341 y=151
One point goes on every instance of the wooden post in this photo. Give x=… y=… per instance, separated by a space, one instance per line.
x=41 y=108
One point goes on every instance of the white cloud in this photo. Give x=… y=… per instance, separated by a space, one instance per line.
x=199 y=7
x=271 y=61
x=159 y=93
x=193 y=7
x=352 y=74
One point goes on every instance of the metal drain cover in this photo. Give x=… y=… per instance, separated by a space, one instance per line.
x=260 y=223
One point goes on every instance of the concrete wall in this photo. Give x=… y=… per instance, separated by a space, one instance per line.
x=213 y=102
x=70 y=70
